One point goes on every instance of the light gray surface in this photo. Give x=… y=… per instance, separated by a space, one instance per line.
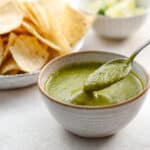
x=25 y=123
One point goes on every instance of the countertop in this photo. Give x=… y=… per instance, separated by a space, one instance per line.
x=25 y=123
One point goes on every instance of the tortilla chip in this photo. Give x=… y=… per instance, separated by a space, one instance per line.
x=6 y=53
x=54 y=6
x=31 y=28
x=48 y=24
x=10 y=16
x=74 y=24
x=9 y=66
x=29 y=54
x=28 y=12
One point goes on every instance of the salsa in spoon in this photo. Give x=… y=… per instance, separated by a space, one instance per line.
x=111 y=72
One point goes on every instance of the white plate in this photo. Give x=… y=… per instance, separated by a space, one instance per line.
x=26 y=79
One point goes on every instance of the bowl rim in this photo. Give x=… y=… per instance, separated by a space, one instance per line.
x=145 y=13
x=90 y=107
x=18 y=75
x=125 y=18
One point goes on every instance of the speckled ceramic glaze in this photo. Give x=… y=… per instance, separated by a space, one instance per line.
x=118 y=28
x=91 y=121
x=26 y=79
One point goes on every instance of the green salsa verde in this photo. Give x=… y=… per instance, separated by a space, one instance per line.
x=67 y=84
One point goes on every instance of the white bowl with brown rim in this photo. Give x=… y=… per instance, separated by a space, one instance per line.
x=91 y=121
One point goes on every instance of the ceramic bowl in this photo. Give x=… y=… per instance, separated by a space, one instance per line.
x=27 y=79
x=118 y=28
x=88 y=121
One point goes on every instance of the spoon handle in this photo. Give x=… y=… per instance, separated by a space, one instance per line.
x=131 y=58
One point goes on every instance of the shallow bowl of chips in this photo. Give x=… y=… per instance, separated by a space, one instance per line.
x=27 y=79
x=34 y=32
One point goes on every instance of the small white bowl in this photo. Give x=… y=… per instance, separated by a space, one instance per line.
x=88 y=121
x=27 y=79
x=118 y=28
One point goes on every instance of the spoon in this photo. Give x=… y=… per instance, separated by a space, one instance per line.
x=111 y=72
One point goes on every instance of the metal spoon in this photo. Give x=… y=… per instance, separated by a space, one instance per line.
x=111 y=72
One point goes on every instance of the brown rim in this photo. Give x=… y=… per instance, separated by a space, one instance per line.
x=91 y=107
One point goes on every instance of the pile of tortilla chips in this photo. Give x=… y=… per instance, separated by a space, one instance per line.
x=33 y=32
